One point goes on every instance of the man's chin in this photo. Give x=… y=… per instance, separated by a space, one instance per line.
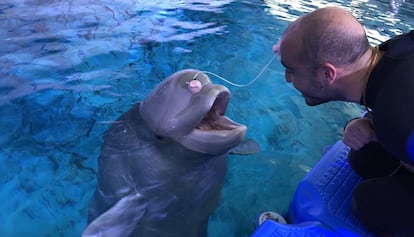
x=313 y=102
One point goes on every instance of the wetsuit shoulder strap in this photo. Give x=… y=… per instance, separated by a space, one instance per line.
x=399 y=47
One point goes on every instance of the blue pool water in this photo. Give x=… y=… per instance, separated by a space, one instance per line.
x=70 y=68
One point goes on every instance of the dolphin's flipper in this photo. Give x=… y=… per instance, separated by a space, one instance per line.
x=120 y=220
x=246 y=147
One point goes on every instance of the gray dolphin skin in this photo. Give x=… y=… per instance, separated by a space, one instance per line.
x=163 y=162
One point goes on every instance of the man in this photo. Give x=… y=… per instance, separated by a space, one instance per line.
x=327 y=57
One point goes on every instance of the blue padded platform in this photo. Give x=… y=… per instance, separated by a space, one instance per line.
x=321 y=205
x=271 y=228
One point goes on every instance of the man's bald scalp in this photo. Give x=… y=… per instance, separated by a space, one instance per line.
x=327 y=40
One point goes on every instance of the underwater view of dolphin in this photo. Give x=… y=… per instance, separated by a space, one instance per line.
x=162 y=164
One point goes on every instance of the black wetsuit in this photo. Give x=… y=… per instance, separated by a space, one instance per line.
x=384 y=201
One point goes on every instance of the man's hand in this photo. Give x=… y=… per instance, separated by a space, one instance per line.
x=358 y=133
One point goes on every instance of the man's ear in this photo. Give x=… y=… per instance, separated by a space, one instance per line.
x=329 y=72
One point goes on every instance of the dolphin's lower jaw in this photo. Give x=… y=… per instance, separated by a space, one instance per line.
x=213 y=142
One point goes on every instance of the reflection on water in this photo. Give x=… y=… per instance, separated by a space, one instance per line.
x=40 y=35
x=395 y=5
x=382 y=20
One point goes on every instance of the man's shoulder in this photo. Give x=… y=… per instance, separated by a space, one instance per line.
x=400 y=46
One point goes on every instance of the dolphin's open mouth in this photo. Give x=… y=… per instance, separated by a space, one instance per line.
x=215 y=133
x=215 y=120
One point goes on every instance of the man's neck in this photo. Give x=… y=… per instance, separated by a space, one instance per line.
x=357 y=80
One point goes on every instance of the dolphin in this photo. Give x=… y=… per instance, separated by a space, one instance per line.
x=163 y=162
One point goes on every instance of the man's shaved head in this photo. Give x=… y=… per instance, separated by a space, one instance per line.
x=329 y=35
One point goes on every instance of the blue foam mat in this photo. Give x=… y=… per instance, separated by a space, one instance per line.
x=270 y=228
x=321 y=205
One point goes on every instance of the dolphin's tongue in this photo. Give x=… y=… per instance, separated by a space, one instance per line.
x=215 y=121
